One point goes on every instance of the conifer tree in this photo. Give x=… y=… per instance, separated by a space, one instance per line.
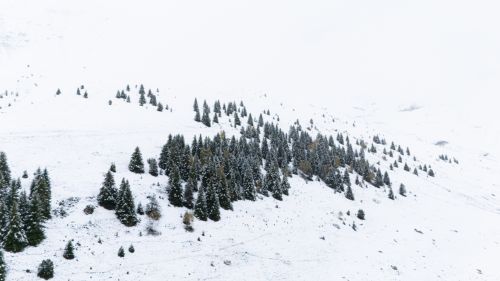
x=195 y=105
x=125 y=207
x=140 y=209
x=131 y=249
x=391 y=194
x=153 y=167
x=213 y=204
x=205 y=119
x=285 y=186
x=121 y=252
x=221 y=189
x=188 y=196
x=160 y=107
x=112 y=168
x=402 y=190
x=197 y=117
x=431 y=173
x=153 y=209
x=4 y=168
x=175 y=188
x=348 y=194
x=142 y=99
x=34 y=227
x=261 y=120
x=237 y=121
x=361 y=214
x=136 y=164
x=387 y=181
x=200 y=207
x=46 y=270
x=248 y=183
x=15 y=239
x=272 y=182
x=69 y=251
x=108 y=193
x=3 y=267
x=406 y=168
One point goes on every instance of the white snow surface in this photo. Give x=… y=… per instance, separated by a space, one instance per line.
x=414 y=73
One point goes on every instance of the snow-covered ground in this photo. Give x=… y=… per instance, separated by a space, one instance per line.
x=437 y=82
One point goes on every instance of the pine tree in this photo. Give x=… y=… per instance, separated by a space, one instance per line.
x=406 y=168
x=387 y=181
x=69 y=251
x=125 y=207
x=391 y=194
x=160 y=107
x=213 y=204
x=237 y=121
x=58 y=92
x=205 y=119
x=34 y=227
x=112 y=168
x=200 y=207
x=3 y=267
x=285 y=186
x=431 y=173
x=142 y=99
x=248 y=183
x=261 y=121
x=188 y=196
x=402 y=190
x=361 y=214
x=221 y=188
x=14 y=239
x=131 y=249
x=140 y=209
x=153 y=167
x=86 y=95
x=175 y=188
x=121 y=252
x=272 y=182
x=250 y=120
x=195 y=106
x=348 y=194
x=4 y=168
x=136 y=164
x=108 y=193
x=46 y=270
x=197 y=117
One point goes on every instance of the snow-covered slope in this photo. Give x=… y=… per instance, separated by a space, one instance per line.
x=448 y=228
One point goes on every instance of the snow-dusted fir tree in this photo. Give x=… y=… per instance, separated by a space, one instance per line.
x=108 y=193
x=3 y=267
x=213 y=203
x=69 y=251
x=14 y=239
x=200 y=207
x=175 y=187
x=46 y=270
x=136 y=164
x=33 y=223
x=125 y=207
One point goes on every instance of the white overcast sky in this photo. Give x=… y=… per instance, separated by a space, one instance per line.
x=409 y=51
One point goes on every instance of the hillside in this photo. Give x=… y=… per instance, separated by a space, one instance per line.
x=310 y=73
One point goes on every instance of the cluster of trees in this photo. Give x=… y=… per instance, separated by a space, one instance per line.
x=143 y=97
x=231 y=109
x=22 y=215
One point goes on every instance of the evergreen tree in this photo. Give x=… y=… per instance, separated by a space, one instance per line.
x=200 y=207
x=14 y=239
x=221 y=189
x=248 y=183
x=206 y=117
x=361 y=214
x=112 y=168
x=387 y=181
x=4 y=168
x=121 y=252
x=34 y=227
x=125 y=207
x=237 y=121
x=402 y=190
x=175 y=188
x=261 y=121
x=160 y=107
x=58 y=92
x=197 y=117
x=108 y=193
x=431 y=173
x=3 y=267
x=406 y=168
x=86 y=95
x=142 y=99
x=272 y=182
x=46 y=270
x=136 y=164
x=131 y=249
x=250 y=120
x=213 y=204
x=195 y=106
x=69 y=251
x=348 y=194
x=285 y=186
x=153 y=167
x=391 y=194
x=140 y=209
x=188 y=196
